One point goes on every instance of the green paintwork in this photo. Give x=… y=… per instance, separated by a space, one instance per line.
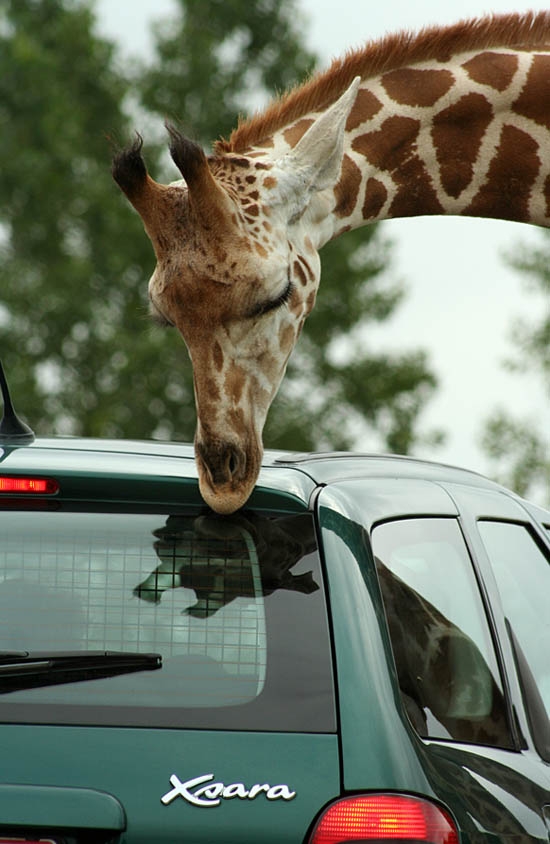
x=134 y=766
x=377 y=752
x=36 y=805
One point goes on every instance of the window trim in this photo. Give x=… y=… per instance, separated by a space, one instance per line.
x=539 y=725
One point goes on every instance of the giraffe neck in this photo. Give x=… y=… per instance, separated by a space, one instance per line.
x=468 y=136
x=463 y=130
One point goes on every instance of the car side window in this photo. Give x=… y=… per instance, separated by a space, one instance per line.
x=522 y=572
x=444 y=655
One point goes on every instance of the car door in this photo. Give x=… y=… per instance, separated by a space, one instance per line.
x=510 y=540
x=464 y=737
x=463 y=675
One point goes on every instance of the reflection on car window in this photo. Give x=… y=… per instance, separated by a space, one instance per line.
x=217 y=598
x=445 y=662
x=522 y=573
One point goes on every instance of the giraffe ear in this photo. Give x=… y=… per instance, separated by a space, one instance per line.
x=315 y=162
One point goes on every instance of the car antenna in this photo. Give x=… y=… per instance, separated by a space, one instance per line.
x=13 y=431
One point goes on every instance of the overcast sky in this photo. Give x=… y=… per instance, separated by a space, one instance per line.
x=462 y=298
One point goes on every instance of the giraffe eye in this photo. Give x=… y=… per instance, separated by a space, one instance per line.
x=273 y=304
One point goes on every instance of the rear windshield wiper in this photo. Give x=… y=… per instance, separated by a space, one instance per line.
x=33 y=669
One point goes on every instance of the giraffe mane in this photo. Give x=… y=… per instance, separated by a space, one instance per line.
x=529 y=30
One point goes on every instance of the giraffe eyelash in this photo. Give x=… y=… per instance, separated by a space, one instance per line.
x=159 y=319
x=281 y=300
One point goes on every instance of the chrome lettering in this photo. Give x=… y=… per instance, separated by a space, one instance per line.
x=280 y=791
x=201 y=791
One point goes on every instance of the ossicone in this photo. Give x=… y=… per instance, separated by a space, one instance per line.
x=187 y=155
x=129 y=170
x=207 y=198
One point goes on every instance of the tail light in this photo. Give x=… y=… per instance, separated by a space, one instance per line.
x=384 y=817
x=28 y=486
x=26 y=841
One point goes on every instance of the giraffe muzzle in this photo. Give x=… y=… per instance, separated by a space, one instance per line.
x=226 y=475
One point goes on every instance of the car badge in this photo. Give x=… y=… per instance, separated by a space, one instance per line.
x=202 y=791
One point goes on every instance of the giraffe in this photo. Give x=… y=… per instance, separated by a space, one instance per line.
x=453 y=120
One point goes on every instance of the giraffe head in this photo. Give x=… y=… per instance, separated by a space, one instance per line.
x=237 y=272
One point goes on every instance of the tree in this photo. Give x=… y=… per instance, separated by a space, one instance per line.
x=73 y=264
x=80 y=354
x=520 y=448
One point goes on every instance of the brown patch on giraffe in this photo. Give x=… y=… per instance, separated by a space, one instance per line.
x=375 y=197
x=270 y=182
x=307 y=268
x=295 y=304
x=346 y=191
x=533 y=100
x=394 y=148
x=296 y=132
x=310 y=301
x=494 y=69
x=217 y=356
x=511 y=176
x=389 y=146
x=299 y=272
x=286 y=338
x=234 y=382
x=410 y=86
x=262 y=252
x=457 y=133
x=365 y=107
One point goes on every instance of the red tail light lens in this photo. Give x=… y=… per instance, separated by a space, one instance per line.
x=32 y=486
x=384 y=817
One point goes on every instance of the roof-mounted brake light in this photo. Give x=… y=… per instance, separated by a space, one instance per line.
x=384 y=817
x=28 y=486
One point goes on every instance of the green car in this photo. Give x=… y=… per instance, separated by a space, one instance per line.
x=362 y=654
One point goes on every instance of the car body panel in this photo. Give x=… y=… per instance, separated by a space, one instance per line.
x=112 y=470
x=135 y=766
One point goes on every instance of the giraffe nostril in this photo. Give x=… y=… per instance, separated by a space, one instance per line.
x=224 y=462
x=232 y=463
x=236 y=463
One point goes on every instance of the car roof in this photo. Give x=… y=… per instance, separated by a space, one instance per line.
x=144 y=458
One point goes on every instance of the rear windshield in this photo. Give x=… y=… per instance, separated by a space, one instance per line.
x=234 y=606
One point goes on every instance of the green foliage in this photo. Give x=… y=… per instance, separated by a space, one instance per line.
x=218 y=56
x=80 y=353
x=73 y=263
x=520 y=448
x=520 y=453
